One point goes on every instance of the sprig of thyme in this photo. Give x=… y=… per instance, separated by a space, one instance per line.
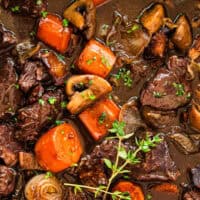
x=127 y=156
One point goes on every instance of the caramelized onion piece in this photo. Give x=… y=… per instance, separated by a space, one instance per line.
x=41 y=187
x=182 y=37
x=152 y=18
x=184 y=143
x=26 y=50
x=92 y=88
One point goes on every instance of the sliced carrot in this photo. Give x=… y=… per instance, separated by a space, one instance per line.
x=99 y=118
x=59 y=148
x=166 y=187
x=96 y=59
x=134 y=191
x=99 y=2
x=52 y=32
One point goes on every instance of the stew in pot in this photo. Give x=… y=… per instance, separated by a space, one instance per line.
x=100 y=99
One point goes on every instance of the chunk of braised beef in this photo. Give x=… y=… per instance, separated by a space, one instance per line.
x=9 y=148
x=28 y=161
x=7 y=180
x=192 y=195
x=178 y=65
x=29 y=7
x=157 y=46
x=166 y=91
x=7 y=39
x=91 y=170
x=11 y=97
x=32 y=118
x=70 y=195
x=196 y=176
x=159 y=119
x=55 y=64
x=157 y=165
x=32 y=74
x=35 y=94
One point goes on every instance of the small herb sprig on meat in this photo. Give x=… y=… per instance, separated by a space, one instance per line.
x=125 y=75
x=128 y=157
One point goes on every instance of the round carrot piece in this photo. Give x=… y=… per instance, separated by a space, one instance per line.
x=134 y=190
x=59 y=148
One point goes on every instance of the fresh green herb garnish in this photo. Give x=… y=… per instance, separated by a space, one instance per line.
x=49 y=118
x=15 y=9
x=48 y=175
x=134 y=28
x=125 y=75
x=158 y=94
x=105 y=61
x=102 y=118
x=44 y=14
x=180 y=91
x=124 y=158
x=189 y=95
x=59 y=122
x=63 y=104
x=65 y=22
x=32 y=33
x=41 y=102
x=90 y=82
x=52 y=100
x=17 y=86
x=38 y=2
x=110 y=96
x=90 y=61
x=60 y=57
x=72 y=66
x=149 y=197
x=110 y=43
x=92 y=97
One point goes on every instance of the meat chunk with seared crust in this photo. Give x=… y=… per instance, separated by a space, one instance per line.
x=11 y=97
x=9 y=148
x=32 y=118
x=166 y=91
x=32 y=74
x=29 y=7
x=7 y=180
x=157 y=165
x=7 y=39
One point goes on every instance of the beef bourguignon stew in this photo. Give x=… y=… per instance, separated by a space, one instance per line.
x=100 y=99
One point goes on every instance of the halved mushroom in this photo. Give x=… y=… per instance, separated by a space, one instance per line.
x=184 y=143
x=153 y=18
x=194 y=117
x=82 y=13
x=131 y=116
x=83 y=90
x=182 y=37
